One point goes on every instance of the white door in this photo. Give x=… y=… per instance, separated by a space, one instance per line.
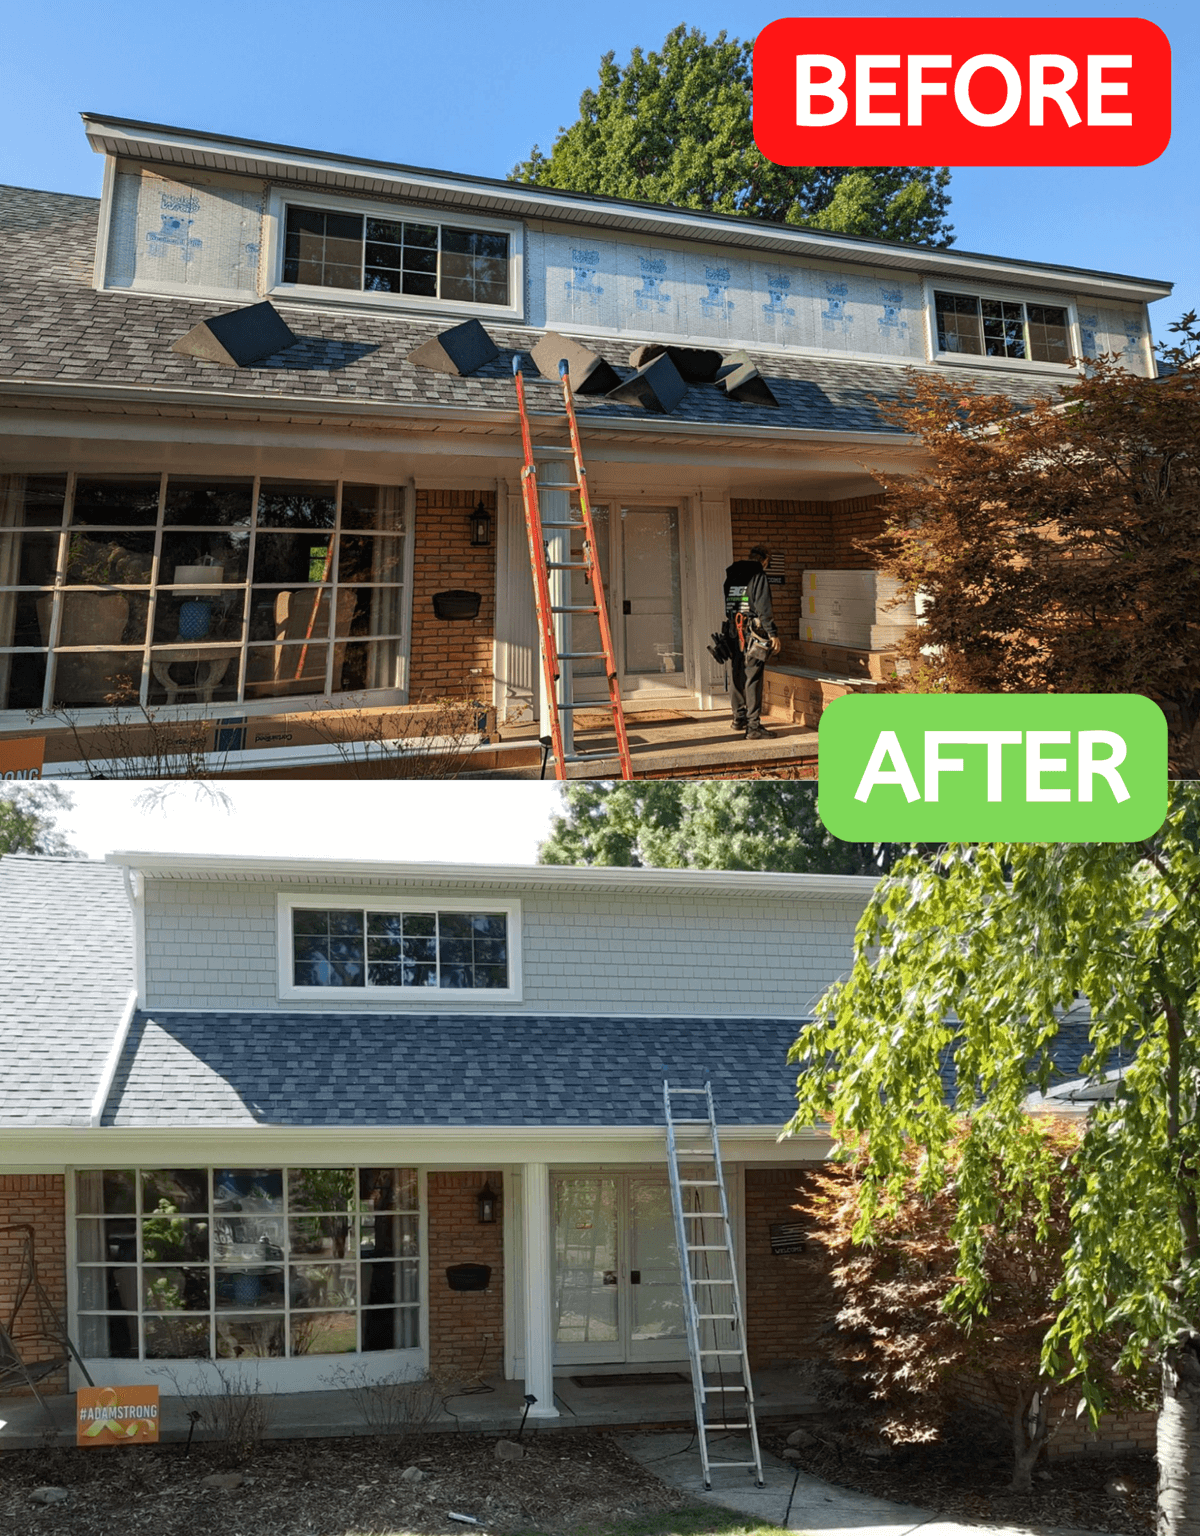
x=640 y=564
x=616 y=1274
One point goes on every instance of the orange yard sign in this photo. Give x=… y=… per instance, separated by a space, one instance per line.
x=116 y=1415
x=22 y=759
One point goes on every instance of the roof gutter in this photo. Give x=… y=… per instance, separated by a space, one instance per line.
x=399 y=415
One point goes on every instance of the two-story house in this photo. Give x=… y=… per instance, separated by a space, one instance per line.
x=237 y=543
x=261 y=1110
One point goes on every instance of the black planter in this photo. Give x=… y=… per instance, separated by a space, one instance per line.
x=456 y=604
x=468 y=1277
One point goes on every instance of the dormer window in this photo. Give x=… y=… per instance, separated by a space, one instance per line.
x=422 y=949
x=979 y=325
x=328 y=248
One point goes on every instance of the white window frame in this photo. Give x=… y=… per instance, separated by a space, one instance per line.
x=274 y=230
x=353 y=999
x=293 y=1373
x=970 y=289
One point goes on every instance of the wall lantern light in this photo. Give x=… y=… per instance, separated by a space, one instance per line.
x=487 y=1199
x=481 y=526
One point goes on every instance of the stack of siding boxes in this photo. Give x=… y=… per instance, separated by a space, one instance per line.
x=854 y=608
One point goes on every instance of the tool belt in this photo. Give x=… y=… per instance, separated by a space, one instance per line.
x=750 y=636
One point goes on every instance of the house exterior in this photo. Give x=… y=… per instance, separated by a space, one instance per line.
x=250 y=1106
x=242 y=543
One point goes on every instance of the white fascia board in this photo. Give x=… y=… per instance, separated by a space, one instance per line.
x=530 y=876
x=56 y=1149
x=184 y=147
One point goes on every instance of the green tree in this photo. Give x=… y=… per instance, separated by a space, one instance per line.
x=761 y=825
x=675 y=127
x=1055 y=547
x=970 y=960
x=27 y=820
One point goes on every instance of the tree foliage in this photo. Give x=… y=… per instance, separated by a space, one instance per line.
x=1057 y=548
x=898 y=1328
x=972 y=958
x=748 y=824
x=27 y=820
x=674 y=126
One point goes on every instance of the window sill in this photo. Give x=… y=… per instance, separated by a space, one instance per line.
x=352 y=301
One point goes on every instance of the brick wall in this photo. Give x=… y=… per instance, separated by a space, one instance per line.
x=1118 y=1434
x=810 y=535
x=789 y=1299
x=451 y=657
x=458 y=1320
x=40 y=1200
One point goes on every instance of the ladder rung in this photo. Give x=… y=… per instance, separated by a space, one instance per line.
x=719 y=1352
x=585 y=609
x=555 y=565
x=715 y=1464
x=594 y=704
x=687 y=1090
x=716 y=1317
x=696 y=1280
x=739 y=1387
x=711 y=1427
x=582 y=656
x=708 y=1247
x=583 y=757
x=701 y=1183
x=674 y=1123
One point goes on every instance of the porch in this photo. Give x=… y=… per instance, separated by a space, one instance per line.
x=491 y=1406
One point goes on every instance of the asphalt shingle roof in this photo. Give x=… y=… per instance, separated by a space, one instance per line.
x=466 y=1070
x=68 y=969
x=54 y=326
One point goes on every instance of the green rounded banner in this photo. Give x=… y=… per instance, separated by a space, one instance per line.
x=992 y=767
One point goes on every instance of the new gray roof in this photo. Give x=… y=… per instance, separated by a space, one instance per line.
x=56 y=328
x=216 y=1069
x=68 y=969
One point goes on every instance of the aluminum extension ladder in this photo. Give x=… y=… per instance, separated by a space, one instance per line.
x=561 y=700
x=712 y=1303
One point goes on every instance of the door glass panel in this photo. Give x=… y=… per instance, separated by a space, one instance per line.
x=654 y=614
x=654 y=1257
x=585 y=1261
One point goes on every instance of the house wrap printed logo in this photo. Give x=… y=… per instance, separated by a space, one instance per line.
x=1007 y=767
x=1011 y=90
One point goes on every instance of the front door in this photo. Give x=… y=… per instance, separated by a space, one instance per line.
x=640 y=562
x=616 y=1272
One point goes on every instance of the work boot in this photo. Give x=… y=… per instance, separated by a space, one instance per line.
x=740 y=725
x=758 y=732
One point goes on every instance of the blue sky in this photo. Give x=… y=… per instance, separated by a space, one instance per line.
x=469 y=86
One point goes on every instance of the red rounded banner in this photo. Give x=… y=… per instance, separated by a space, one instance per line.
x=1001 y=90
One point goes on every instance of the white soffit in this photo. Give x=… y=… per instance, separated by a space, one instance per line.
x=181 y=147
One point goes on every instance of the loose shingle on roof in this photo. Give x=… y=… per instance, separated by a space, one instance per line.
x=55 y=327
x=68 y=970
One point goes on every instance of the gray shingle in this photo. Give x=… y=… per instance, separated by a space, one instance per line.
x=54 y=325
x=68 y=969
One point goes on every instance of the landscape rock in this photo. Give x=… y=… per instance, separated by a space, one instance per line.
x=802 y=1437
x=790 y=1455
x=509 y=1450
x=49 y=1495
x=223 y=1480
x=411 y=1475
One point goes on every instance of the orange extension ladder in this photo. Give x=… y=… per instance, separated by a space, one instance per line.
x=552 y=657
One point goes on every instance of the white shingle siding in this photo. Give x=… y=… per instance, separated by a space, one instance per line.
x=214 y=947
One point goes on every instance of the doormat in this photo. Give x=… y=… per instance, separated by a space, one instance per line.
x=633 y=1379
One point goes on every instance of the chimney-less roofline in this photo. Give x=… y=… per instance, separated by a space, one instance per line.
x=220 y=152
x=185 y=866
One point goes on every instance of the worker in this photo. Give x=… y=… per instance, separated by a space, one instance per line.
x=751 y=637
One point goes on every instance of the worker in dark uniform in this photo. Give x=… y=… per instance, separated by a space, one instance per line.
x=751 y=637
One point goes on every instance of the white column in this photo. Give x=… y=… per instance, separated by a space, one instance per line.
x=539 y=1317
x=554 y=504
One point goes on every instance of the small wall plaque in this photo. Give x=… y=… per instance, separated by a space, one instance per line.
x=787 y=1237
